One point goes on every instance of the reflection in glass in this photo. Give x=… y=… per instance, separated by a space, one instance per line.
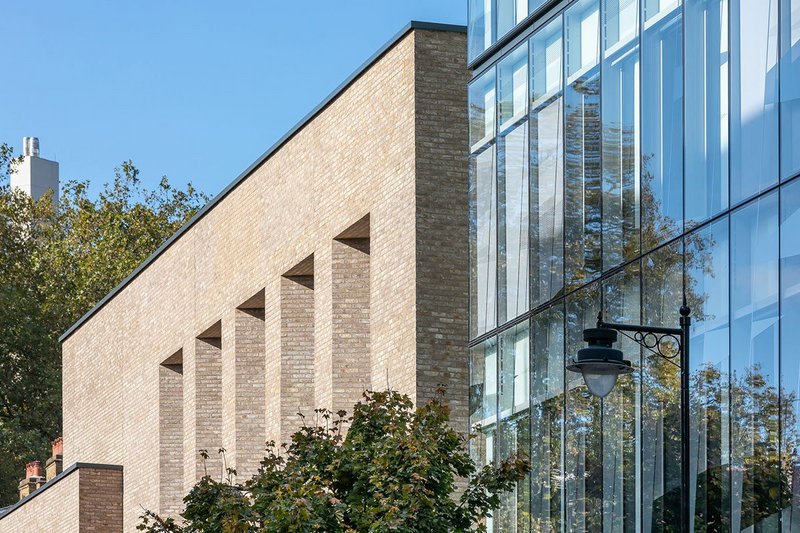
x=513 y=437
x=483 y=242
x=662 y=122
x=509 y=13
x=479 y=27
x=621 y=151
x=790 y=87
x=547 y=412
x=512 y=75
x=755 y=480
x=583 y=430
x=754 y=97
x=662 y=294
x=547 y=164
x=513 y=428
x=621 y=456
x=483 y=400
x=533 y=5
x=790 y=362
x=582 y=224
x=481 y=110
x=706 y=111
x=514 y=371
x=707 y=296
x=513 y=214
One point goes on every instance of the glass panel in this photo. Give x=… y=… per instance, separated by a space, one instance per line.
x=754 y=97
x=583 y=427
x=480 y=27
x=547 y=416
x=512 y=74
x=707 y=295
x=513 y=212
x=582 y=259
x=490 y=434
x=513 y=435
x=755 y=480
x=509 y=13
x=622 y=304
x=533 y=5
x=662 y=288
x=790 y=363
x=706 y=112
x=662 y=123
x=621 y=151
x=477 y=402
x=546 y=64
x=547 y=164
x=513 y=429
x=481 y=110
x=514 y=370
x=483 y=400
x=790 y=87
x=483 y=242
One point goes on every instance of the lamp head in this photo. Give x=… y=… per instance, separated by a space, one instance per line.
x=600 y=363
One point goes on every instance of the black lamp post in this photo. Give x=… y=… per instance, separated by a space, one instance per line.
x=601 y=364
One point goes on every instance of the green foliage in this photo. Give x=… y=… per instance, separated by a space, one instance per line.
x=55 y=264
x=396 y=469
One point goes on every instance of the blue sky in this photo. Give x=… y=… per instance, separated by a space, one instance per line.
x=195 y=90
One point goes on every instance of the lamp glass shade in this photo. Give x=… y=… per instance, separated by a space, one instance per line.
x=599 y=385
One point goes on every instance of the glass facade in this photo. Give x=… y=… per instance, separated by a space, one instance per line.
x=490 y=20
x=624 y=155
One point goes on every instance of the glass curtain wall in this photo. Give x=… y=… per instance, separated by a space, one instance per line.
x=706 y=110
x=547 y=164
x=625 y=155
x=582 y=128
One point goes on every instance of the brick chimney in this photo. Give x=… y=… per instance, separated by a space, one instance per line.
x=54 y=465
x=33 y=479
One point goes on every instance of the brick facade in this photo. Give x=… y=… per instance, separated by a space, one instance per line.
x=352 y=236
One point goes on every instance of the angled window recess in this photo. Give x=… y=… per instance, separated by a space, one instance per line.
x=351 y=365
x=245 y=442
x=202 y=375
x=170 y=434
x=297 y=346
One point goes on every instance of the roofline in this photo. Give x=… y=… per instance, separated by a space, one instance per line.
x=50 y=483
x=413 y=25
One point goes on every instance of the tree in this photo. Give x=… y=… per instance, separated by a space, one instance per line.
x=396 y=469
x=56 y=262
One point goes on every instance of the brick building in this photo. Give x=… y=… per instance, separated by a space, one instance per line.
x=337 y=262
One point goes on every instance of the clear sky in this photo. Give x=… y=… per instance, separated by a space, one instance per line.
x=195 y=90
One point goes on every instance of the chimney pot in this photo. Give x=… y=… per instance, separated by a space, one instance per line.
x=33 y=469
x=58 y=447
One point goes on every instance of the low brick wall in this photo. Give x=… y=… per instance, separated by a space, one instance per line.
x=83 y=498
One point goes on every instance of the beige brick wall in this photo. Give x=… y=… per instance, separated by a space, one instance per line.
x=170 y=428
x=350 y=367
x=389 y=146
x=202 y=429
x=247 y=447
x=442 y=258
x=297 y=352
x=86 y=500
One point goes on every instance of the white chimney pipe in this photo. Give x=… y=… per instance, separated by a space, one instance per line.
x=30 y=146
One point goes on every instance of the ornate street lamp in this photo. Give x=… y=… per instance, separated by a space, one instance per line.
x=601 y=364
